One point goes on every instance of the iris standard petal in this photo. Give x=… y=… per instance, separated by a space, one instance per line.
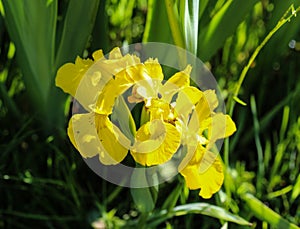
x=69 y=75
x=111 y=91
x=154 y=69
x=206 y=105
x=175 y=83
x=186 y=100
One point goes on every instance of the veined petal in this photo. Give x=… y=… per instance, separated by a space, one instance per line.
x=83 y=135
x=114 y=142
x=69 y=75
x=111 y=91
x=118 y=66
x=97 y=55
x=209 y=181
x=154 y=69
x=175 y=83
x=115 y=53
x=218 y=126
x=186 y=100
x=132 y=73
x=156 y=142
x=159 y=109
x=94 y=134
x=206 y=105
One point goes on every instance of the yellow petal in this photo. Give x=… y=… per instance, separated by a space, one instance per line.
x=175 y=83
x=69 y=75
x=218 y=126
x=154 y=69
x=95 y=135
x=117 y=63
x=186 y=100
x=159 y=109
x=156 y=142
x=132 y=73
x=97 y=55
x=114 y=142
x=83 y=134
x=209 y=181
x=206 y=105
x=115 y=54
x=111 y=91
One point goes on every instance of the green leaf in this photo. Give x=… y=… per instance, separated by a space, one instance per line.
x=157 y=15
x=189 y=12
x=262 y=212
x=78 y=24
x=197 y=208
x=296 y=189
x=144 y=197
x=34 y=42
x=121 y=115
x=238 y=100
x=32 y=28
x=202 y=7
x=221 y=26
x=172 y=199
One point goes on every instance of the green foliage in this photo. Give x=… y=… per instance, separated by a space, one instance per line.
x=44 y=181
x=43 y=45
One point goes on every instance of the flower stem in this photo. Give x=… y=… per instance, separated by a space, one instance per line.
x=232 y=100
x=284 y=19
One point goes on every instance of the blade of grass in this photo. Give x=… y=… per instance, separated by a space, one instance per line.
x=197 y=208
x=260 y=162
x=296 y=190
x=284 y=123
x=285 y=18
x=264 y=213
x=231 y=102
x=268 y=117
x=280 y=192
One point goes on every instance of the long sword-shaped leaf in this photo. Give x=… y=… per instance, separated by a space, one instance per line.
x=157 y=28
x=221 y=26
x=189 y=12
x=31 y=26
x=261 y=211
x=78 y=24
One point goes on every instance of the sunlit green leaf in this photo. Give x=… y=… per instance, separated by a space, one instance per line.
x=296 y=189
x=157 y=28
x=263 y=212
x=221 y=26
x=199 y=208
x=144 y=197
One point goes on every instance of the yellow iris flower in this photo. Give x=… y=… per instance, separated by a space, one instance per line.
x=92 y=83
x=159 y=138
x=177 y=115
x=201 y=127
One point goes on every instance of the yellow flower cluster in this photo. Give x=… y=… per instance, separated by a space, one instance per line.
x=177 y=115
